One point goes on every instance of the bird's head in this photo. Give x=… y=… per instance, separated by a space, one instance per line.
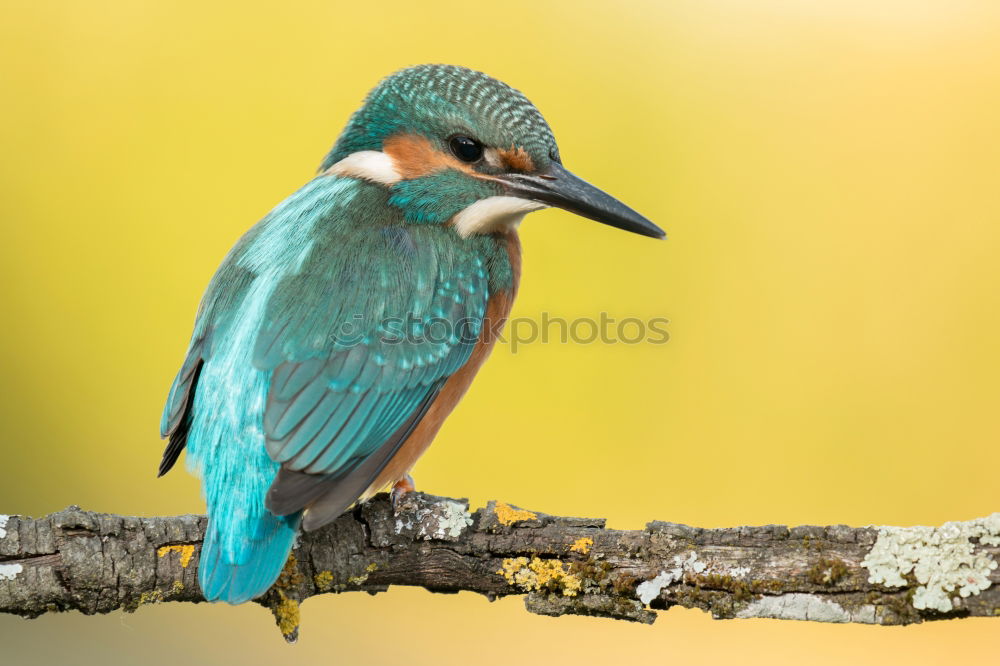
x=455 y=146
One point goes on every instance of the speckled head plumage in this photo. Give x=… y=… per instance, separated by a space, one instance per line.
x=440 y=101
x=456 y=146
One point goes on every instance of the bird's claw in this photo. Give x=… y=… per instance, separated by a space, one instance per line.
x=399 y=491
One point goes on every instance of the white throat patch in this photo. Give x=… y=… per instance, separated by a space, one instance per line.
x=373 y=165
x=493 y=214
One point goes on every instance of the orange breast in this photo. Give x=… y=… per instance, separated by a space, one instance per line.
x=497 y=310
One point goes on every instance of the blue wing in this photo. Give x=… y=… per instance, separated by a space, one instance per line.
x=359 y=344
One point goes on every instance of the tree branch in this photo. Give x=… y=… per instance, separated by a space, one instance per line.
x=97 y=563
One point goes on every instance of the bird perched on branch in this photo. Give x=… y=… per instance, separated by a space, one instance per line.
x=342 y=329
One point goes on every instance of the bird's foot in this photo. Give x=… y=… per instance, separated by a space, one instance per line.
x=399 y=491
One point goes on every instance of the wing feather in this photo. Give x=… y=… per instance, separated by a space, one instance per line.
x=353 y=359
x=364 y=322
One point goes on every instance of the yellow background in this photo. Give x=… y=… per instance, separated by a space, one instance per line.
x=828 y=175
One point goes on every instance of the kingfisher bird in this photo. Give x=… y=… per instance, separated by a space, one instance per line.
x=343 y=328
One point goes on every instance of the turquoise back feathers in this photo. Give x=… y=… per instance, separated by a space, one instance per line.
x=327 y=326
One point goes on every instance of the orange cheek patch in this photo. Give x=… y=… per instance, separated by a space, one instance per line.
x=516 y=158
x=415 y=156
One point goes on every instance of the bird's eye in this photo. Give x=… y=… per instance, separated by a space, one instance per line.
x=466 y=149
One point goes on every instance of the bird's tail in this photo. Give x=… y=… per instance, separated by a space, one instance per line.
x=236 y=568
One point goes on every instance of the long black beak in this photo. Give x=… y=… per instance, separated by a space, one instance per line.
x=558 y=187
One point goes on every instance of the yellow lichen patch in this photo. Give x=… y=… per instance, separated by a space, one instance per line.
x=324 y=581
x=186 y=551
x=157 y=595
x=357 y=580
x=290 y=577
x=150 y=597
x=508 y=515
x=538 y=574
x=582 y=545
x=287 y=614
x=371 y=567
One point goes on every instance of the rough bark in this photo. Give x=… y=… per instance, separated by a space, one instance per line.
x=97 y=563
